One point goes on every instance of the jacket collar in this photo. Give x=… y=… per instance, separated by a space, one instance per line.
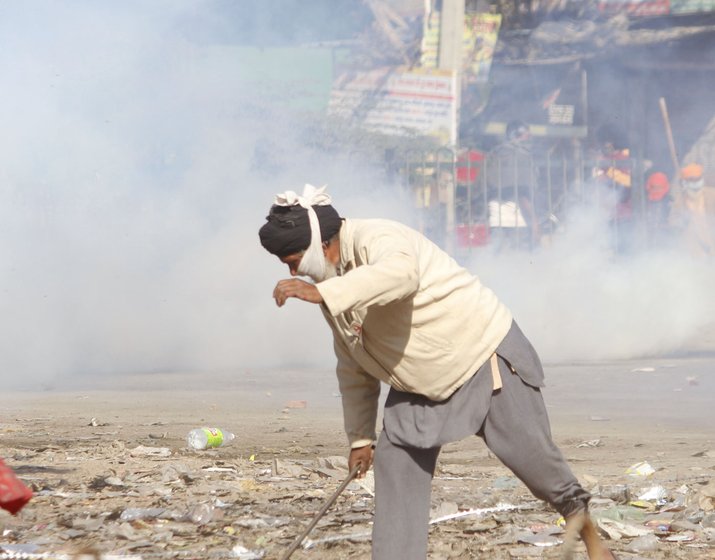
x=347 y=252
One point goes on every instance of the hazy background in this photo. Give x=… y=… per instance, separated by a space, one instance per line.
x=130 y=199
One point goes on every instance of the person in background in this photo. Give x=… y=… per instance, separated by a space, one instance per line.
x=612 y=172
x=403 y=312
x=693 y=212
x=658 y=206
x=512 y=190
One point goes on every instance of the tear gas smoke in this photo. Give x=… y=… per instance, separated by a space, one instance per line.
x=137 y=165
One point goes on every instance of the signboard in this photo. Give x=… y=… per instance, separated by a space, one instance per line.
x=430 y=41
x=398 y=102
x=479 y=40
x=691 y=6
x=636 y=7
x=481 y=32
x=560 y=112
x=642 y=8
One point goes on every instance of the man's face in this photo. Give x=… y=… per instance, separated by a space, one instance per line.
x=330 y=254
x=293 y=262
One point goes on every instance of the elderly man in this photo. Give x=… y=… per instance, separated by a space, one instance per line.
x=404 y=313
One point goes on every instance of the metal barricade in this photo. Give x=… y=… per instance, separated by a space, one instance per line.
x=467 y=199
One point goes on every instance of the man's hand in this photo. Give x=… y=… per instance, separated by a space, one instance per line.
x=298 y=289
x=362 y=455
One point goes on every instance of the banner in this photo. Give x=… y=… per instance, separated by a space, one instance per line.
x=430 y=41
x=640 y=8
x=479 y=40
x=691 y=6
x=481 y=32
x=643 y=8
x=398 y=102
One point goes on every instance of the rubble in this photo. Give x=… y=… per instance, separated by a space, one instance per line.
x=128 y=499
x=252 y=509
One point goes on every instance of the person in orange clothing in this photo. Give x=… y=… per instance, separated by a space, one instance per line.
x=658 y=206
x=693 y=211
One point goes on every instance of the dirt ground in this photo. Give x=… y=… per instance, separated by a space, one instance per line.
x=108 y=462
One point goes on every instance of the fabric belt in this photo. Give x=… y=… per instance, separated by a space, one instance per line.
x=496 y=376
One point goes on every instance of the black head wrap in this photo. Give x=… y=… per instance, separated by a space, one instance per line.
x=287 y=230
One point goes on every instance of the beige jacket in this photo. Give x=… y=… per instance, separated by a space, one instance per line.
x=404 y=312
x=694 y=214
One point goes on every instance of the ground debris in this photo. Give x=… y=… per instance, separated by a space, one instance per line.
x=249 y=500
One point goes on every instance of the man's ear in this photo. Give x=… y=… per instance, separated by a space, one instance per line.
x=331 y=249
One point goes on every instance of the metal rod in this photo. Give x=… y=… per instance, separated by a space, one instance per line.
x=669 y=137
x=321 y=513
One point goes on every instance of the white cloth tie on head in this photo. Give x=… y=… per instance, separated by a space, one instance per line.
x=313 y=261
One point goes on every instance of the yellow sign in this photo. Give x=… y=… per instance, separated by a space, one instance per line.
x=481 y=32
x=479 y=40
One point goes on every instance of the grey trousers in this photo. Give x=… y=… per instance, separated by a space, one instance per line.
x=513 y=423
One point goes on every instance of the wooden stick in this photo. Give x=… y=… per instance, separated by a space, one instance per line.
x=669 y=134
x=321 y=513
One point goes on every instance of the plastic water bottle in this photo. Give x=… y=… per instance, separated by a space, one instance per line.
x=206 y=438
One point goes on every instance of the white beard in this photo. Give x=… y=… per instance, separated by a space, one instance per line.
x=322 y=270
x=331 y=271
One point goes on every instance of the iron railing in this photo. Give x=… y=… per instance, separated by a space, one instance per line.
x=467 y=199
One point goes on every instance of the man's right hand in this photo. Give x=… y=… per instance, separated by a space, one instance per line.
x=299 y=289
x=362 y=455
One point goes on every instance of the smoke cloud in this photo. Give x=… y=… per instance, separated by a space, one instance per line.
x=138 y=159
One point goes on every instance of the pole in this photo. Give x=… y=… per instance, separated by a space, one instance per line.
x=669 y=134
x=321 y=513
x=451 y=45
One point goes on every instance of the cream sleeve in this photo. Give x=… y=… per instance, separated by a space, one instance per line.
x=360 y=394
x=390 y=272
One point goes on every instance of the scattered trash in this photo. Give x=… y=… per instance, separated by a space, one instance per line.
x=685 y=536
x=365 y=535
x=599 y=418
x=642 y=504
x=142 y=451
x=540 y=539
x=643 y=370
x=246 y=501
x=640 y=469
x=201 y=514
x=505 y=482
x=242 y=553
x=616 y=530
x=14 y=495
x=479 y=511
x=367 y=483
x=206 y=438
x=619 y=493
x=655 y=493
x=132 y=514
x=296 y=404
x=622 y=513
x=287 y=469
x=645 y=543
x=706 y=496
x=590 y=443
